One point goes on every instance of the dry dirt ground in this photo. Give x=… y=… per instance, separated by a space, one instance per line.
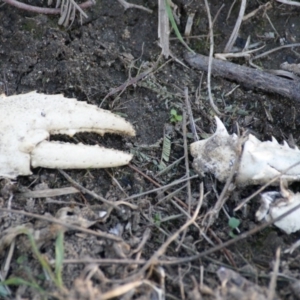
x=115 y=258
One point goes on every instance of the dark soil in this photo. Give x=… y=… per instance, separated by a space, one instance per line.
x=87 y=61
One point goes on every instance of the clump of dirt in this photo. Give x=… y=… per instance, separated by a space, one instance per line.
x=113 y=254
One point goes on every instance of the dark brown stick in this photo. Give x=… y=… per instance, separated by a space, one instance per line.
x=251 y=78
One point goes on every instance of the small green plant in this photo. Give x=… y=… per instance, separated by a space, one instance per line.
x=174 y=26
x=174 y=116
x=233 y=223
x=157 y=219
x=56 y=276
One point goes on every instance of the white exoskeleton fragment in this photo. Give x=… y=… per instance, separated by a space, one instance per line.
x=260 y=161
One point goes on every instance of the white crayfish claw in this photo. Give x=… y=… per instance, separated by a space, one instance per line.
x=27 y=121
x=260 y=161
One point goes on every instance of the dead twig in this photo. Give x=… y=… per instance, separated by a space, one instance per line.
x=187 y=171
x=133 y=81
x=84 y=190
x=217 y=14
x=250 y=77
x=190 y=115
x=226 y=252
x=228 y=243
x=187 y=168
x=162 y=249
x=56 y=221
x=158 y=185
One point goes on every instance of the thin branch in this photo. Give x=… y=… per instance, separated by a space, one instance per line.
x=187 y=170
x=59 y=222
x=228 y=243
x=84 y=190
x=158 y=185
x=162 y=249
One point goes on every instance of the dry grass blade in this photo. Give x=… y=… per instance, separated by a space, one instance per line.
x=127 y=5
x=6 y=266
x=264 y=7
x=272 y=285
x=186 y=155
x=102 y=261
x=64 y=9
x=210 y=59
x=166 y=150
x=68 y=9
x=48 y=193
x=237 y=26
x=163 y=28
x=123 y=289
x=288 y=2
x=246 y=54
x=189 y=24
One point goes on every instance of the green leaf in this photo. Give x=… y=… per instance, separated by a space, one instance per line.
x=234 y=222
x=166 y=151
x=21 y=259
x=232 y=235
x=59 y=257
x=16 y=281
x=3 y=291
x=157 y=219
x=173 y=112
